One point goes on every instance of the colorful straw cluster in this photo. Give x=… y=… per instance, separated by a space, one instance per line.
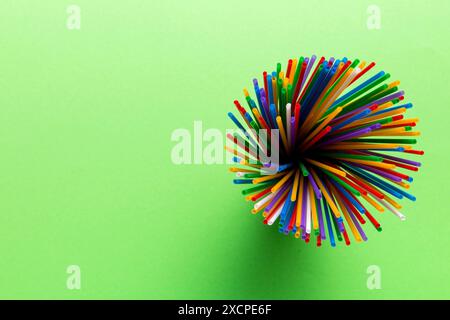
x=340 y=136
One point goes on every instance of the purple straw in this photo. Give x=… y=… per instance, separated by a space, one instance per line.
x=350 y=135
x=413 y=163
x=356 y=222
x=303 y=222
x=377 y=171
x=277 y=197
x=321 y=224
x=315 y=188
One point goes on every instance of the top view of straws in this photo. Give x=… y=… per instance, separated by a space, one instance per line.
x=343 y=142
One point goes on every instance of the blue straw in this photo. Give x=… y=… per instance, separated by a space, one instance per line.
x=329 y=226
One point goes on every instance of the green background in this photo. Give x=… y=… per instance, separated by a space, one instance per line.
x=86 y=176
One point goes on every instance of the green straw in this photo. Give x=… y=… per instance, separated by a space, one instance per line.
x=343 y=183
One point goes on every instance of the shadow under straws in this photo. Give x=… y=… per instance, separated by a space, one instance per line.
x=271 y=265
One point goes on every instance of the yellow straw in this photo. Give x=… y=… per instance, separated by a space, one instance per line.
x=283 y=133
x=293 y=69
x=282 y=181
x=370 y=163
x=330 y=201
x=395 y=204
x=362 y=145
x=402 y=121
x=246 y=163
x=375 y=204
x=315 y=220
x=269 y=177
x=377 y=117
x=274 y=89
x=326 y=167
x=295 y=186
x=327 y=120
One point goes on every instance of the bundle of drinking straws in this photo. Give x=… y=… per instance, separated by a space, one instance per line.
x=341 y=142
